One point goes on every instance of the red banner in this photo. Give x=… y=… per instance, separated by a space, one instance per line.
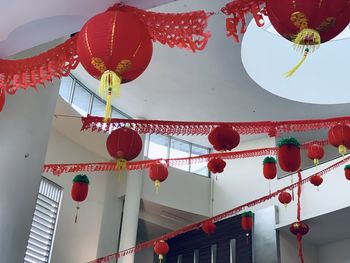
x=217 y=217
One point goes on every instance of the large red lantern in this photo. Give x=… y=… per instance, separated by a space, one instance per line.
x=284 y=198
x=308 y=23
x=299 y=229
x=161 y=248
x=347 y=171
x=339 y=136
x=315 y=152
x=158 y=173
x=289 y=157
x=269 y=168
x=80 y=190
x=208 y=227
x=216 y=165
x=115 y=48
x=124 y=144
x=224 y=138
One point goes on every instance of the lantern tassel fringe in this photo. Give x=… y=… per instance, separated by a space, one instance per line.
x=157 y=185
x=121 y=167
x=76 y=214
x=342 y=149
x=161 y=258
x=295 y=68
x=109 y=88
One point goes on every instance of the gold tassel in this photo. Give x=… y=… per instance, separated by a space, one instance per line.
x=157 y=185
x=316 y=162
x=121 y=166
x=295 y=68
x=109 y=88
x=342 y=149
x=161 y=258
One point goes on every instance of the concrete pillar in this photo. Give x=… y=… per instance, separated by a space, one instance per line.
x=25 y=124
x=131 y=210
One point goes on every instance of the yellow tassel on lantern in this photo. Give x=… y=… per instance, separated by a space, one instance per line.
x=342 y=149
x=295 y=68
x=316 y=162
x=121 y=166
x=109 y=88
x=161 y=258
x=157 y=185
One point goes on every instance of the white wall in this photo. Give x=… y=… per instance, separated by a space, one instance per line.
x=96 y=232
x=181 y=190
x=242 y=181
x=337 y=252
x=289 y=250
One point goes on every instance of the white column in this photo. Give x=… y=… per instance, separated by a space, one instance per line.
x=25 y=124
x=131 y=210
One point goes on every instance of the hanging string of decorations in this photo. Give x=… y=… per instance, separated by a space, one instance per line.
x=272 y=128
x=231 y=212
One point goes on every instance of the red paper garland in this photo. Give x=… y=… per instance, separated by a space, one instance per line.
x=272 y=128
x=236 y=12
x=216 y=218
x=29 y=72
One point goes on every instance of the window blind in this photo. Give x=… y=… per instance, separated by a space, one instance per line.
x=44 y=221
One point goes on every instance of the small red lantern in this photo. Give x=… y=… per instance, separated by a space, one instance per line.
x=80 y=190
x=158 y=173
x=270 y=169
x=285 y=198
x=224 y=138
x=315 y=152
x=316 y=180
x=308 y=23
x=339 y=136
x=115 y=47
x=208 y=227
x=289 y=154
x=299 y=229
x=124 y=144
x=2 y=99
x=216 y=165
x=247 y=221
x=347 y=171
x=161 y=248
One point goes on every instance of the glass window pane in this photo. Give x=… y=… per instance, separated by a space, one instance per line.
x=118 y=115
x=81 y=100
x=158 y=146
x=65 y=88
x=98 y=108
x=180 y=149
x=199 y=168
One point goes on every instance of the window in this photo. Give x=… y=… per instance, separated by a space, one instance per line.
x=98 y=107
x=42 y=231
x=66 y=87
x=158 y=146
x=199 y=168
x=81 y=99
x=179 y=149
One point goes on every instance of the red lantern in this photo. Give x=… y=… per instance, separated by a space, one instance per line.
x=124 y=144
x=299 y=229
x=224 y=138
x=247 y=221
x=347 y=171
x=316 y=180
x=315 y=152
x=285 y=198
x=270 y=169
x=80 y=190
x=216 y=165
x=2 y=99
x=289 y=155
x=116 y=48
x=161 y=248
x=308 y=23
x=158 y=173
x=339 y=136
x=208 y=227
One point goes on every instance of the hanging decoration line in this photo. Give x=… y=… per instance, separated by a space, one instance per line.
x=29 y=72
x=58 y=169
x=216 y=218
x=272 y=128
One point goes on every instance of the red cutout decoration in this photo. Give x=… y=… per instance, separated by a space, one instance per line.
x=224 y=138
x=216 y=165
x=158 y=173
x=315 y=152
x=339 y=136
x=116 y=48
x=284 y=198
x=125 y=145
x=208 y=227
x=161 y=248
x=347 y=171
x=299 y=229
x=289 y=154
x=80 y=190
